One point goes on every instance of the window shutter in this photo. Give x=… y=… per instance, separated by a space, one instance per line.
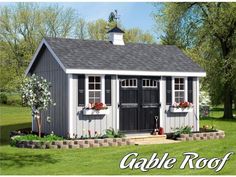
x=81 y=90
x=190 y=89
x=108 y=90
x=168 y=90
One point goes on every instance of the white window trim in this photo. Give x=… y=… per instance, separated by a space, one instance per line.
x=151 y=80
x=87 y=88
x=136 y=80
x=185 y=88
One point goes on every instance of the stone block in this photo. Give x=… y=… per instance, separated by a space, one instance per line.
x=63 y=146
x=51 y=146
x=88 y=141
x=124 y=139
x=108 y=140
x=105 y=144
x=94 y=145
x=130 y=143
x=112 y=143
x=84 y=145
x=189 y=138
x=117 y=140
x=98 y=140
x=73 y=146
x=196 y=138
x=121 y=143
x=221 y=136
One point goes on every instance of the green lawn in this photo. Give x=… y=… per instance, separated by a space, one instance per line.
x=106 y=160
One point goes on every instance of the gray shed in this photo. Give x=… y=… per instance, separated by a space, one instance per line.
x=137 y=82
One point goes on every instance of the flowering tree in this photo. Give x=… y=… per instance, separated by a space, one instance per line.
x=36 y=94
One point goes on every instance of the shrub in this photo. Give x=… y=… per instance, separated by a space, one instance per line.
x=32 y=137
x=111 y=133
x=182 y=130
x=3 y=98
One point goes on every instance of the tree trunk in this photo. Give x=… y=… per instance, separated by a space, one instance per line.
x=228 y=113
x=39 y=124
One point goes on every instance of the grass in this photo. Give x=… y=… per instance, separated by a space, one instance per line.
x=105 y=161
x=13 y=118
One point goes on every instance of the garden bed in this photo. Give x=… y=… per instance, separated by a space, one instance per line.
x=71 y=144
x=214 y=134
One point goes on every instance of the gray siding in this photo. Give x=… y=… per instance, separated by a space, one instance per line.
x=47 y=67
x=83 y=123
x=177 y=120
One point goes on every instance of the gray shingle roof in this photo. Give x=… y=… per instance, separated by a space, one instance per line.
x=103 y=55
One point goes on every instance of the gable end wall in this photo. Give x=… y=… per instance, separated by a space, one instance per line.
x=47 y=67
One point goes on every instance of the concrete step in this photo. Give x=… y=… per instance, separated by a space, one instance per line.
x=147 y=137
x=160 y=141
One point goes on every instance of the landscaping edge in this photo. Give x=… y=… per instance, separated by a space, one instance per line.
x=219 y=134
x=73 y=144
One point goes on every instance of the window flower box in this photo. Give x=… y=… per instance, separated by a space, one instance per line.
x=95 y=112
x=181 y=107
x=96 y=109
x=179 y=110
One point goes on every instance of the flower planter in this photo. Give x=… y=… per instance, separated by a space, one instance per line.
x=95 y=112
x=179 y=110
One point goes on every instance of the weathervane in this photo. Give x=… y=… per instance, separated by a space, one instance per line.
x=114 y=17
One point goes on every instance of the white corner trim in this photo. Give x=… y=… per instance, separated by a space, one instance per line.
x=197 y=113
x=173 y=90
x=185 y=89
x=103 y=89
x=44 y=42
x=86 y=91
x=70 y=104
x=135 y=73
x=117 y=103
x=161 y=84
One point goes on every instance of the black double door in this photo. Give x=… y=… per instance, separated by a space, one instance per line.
x=139 y=103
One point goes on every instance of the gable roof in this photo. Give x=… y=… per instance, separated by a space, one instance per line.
x=79 y=55
x=116 y=30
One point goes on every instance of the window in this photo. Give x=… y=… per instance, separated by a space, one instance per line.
x=179 y=89
x=94 y=91
x=129 y=83
x=149 y=83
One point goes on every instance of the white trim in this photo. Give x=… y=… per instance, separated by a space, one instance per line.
x=136 y=73
x=103 y=88
x=197 y=113
x=118 y=102
x=173 y=90
x=185 y=89
x=44 y=42
x=86 y=91
x=87 y=88
x=161 y=118
x=70 y=104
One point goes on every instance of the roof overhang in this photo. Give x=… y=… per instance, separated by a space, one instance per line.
x=135 y=73
x=44 y=42
x=110 y=72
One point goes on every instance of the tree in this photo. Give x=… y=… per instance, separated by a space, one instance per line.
x=81 y=29
x=36 y=94
x=135 y=35
x=210 y=30
x=22 y=27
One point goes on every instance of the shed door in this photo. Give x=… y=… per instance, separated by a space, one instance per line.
x=139 y=103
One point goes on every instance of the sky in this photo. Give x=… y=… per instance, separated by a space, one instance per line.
x=132 y=14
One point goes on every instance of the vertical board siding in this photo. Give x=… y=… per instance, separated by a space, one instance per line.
x=176 y=120
x=98 y=123
x=47 y=67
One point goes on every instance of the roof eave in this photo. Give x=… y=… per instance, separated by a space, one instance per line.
x=136 y=73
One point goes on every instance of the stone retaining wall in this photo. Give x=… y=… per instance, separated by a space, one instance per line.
x=202 y=136
x=72 y=144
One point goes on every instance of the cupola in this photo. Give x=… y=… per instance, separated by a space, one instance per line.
x=116 y=36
